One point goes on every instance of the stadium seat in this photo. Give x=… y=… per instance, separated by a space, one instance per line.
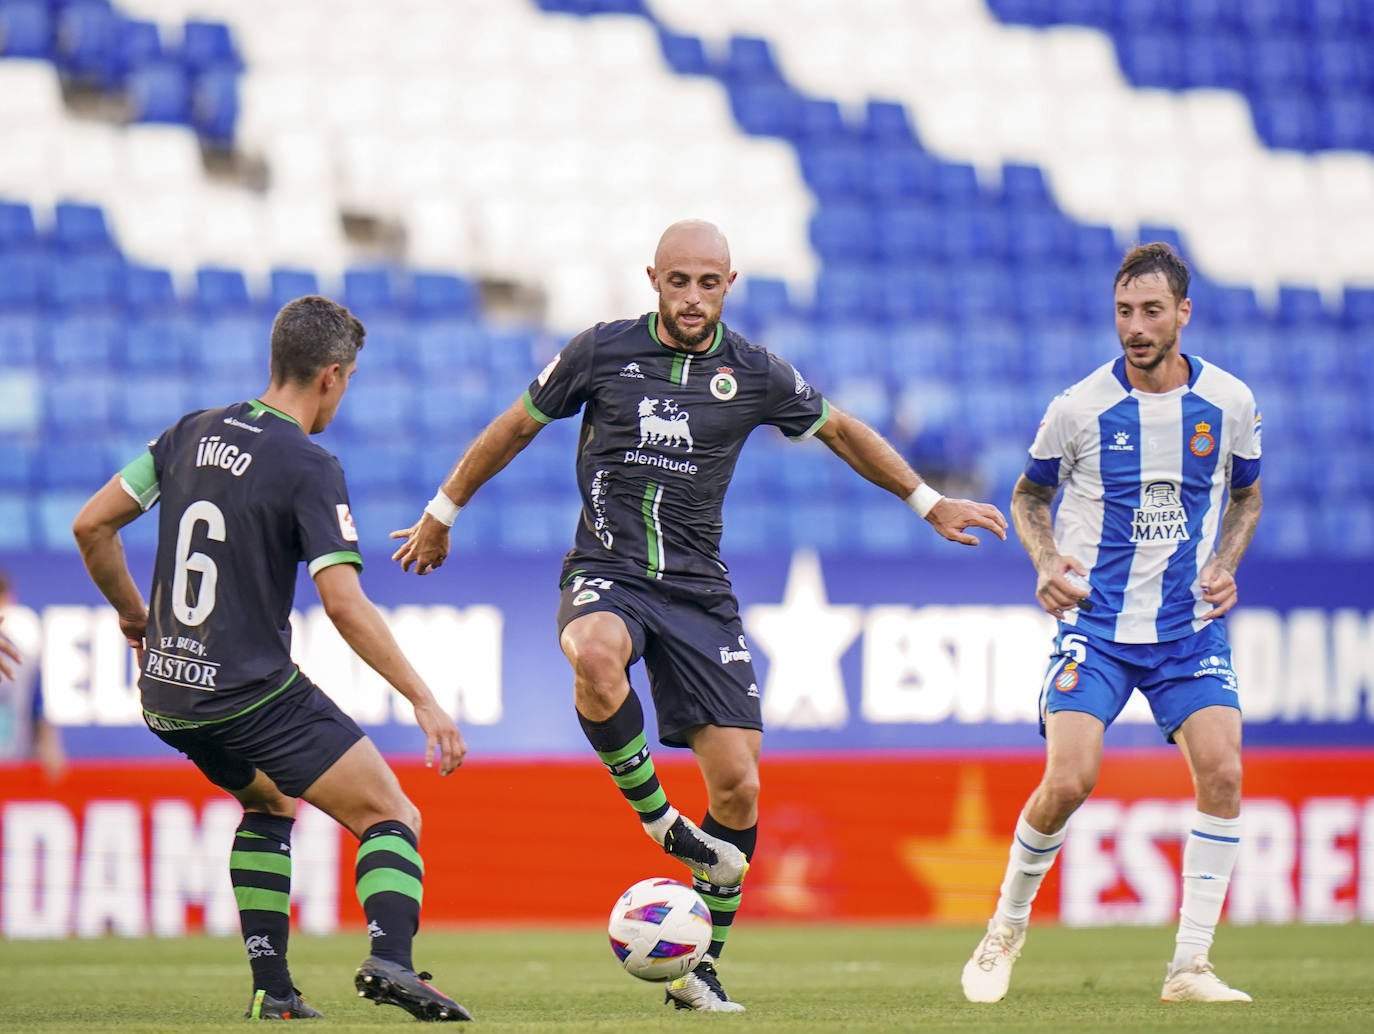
x=370 y=290
x=232 y=345
x=159 y=92
x=23 y=337
x=86 y=283
x=766 y=108
x=20 y=412
x=86 y=43
x=85 y=343
x=79 y=227
x=887 y=124
x=18 y=231
x=214 y=105
x=286 y=285
x=442 y=294
x=221 y=290
x=22 y=282
x=207 y=45
x=57 y=509
x=26 y=29
x=685 y=55
x=148 y=289
x=159 y=344
x=82 y=410
x=16 y=522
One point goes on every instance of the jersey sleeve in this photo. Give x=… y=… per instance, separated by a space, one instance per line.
x=794 y=407
x=1051 y=457
x=324 y=521
x=563 y=386
x=141 y=476
x=1245 y=454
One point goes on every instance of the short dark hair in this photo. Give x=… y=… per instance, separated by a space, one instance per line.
x=311 y=333
x=1157 y=257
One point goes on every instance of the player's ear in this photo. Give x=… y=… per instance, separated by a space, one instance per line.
x=653 y=277
x=1185 y=311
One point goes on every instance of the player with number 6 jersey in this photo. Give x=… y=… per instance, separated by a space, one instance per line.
x=246 y=497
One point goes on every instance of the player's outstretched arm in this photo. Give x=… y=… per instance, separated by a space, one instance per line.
x=426 y=545
x=363 y=628
x=96 y=529
x=873 y=457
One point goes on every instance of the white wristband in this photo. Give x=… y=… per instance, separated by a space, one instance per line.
x=442 y=509
x=923 y=499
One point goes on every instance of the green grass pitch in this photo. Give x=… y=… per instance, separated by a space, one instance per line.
x=792 y=978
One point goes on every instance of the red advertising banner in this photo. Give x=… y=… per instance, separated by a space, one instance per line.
x=135 y=849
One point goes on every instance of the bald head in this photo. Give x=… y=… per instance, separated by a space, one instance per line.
x=692 y=275
x=692 y=239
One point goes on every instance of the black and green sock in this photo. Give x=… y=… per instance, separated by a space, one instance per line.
x=724 y=902
x=260 y=872
x=390 y=877
x=620 y=744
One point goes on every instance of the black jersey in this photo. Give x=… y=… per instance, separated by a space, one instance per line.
x=661 y=432
x=246 y=496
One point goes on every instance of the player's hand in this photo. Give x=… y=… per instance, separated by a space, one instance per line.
x=1219 y=589
x=951 y=516
x=9 y=654
x=1061 y=585
x=135 y=629
x=426 y=545
x=443 y=741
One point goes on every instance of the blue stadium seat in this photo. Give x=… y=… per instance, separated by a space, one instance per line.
x=1301 y=307
x=1358 y=307
x=379 y=408
x=821 y=122
x=748 y=59
x=87 y=283
x=16 y=522
x=152 y=402
x=1288 y=529
x=914 y=293
x=220 y=289
x=71 y=464
x=767 y=297
x=58 y=508
x=904 y=175
x=845 y=291
x=372 y=467
x=887 y=125
x=159 y=92
x=86 y=343
x=442 y=294
x=881 y=528
x=818 y=524
x=232 y=346
x=23 y=338
x=1345 y=122
x=753 y=525
x=537 y=527
x=843 y=233
x=21 y=281
x=685 y=55
x=1285 y=118
x=1152 y=59
x=18 y=232
x=159 y=343
x=79 y=227
x=766 y=108
x=369 y=290
x=1024 y=188
x=149 y=289
x=285 y=285
x=835 y=172
x=214 y=111
x=906 y=234
x=20 y=412
x=138 y=42
x=207 y=45
x=86 y=45
x=81 y=410
x=26 y=29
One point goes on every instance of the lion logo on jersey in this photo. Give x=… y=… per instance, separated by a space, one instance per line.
x=663 y=430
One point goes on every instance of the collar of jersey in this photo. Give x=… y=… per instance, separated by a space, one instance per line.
x=257 y=407
x=1119 y=369
x=653 y=333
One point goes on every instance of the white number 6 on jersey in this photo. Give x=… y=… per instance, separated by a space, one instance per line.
x=202 y=510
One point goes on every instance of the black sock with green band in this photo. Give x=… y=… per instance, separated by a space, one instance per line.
x=260 y=873
x=724 y=902
x=390 y=888
x=620 y=744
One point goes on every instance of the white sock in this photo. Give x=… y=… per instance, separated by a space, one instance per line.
x=658 y=829
x=1209 y=856
x=1032 y=855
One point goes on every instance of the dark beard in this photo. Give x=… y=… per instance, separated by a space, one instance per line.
x=684 y=339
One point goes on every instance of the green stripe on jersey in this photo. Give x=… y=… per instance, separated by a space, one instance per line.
x=653 y=536
x=343 y=556
x=139 y=478
x=534 y=410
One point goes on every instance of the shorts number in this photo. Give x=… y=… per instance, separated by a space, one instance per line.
x=1076 y=646
x=188 y=613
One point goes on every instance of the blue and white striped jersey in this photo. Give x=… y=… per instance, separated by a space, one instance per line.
x=1144 y=480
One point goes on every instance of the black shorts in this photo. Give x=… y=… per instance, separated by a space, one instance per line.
x=692 y=641
x=294 y=738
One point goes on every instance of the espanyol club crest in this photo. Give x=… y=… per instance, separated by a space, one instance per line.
x=723 y=385
x=1202 y=441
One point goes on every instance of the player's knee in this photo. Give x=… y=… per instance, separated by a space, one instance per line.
x=1222 y=781
x=1065 y=791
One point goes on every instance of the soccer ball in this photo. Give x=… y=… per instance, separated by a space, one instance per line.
x=659 y=929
